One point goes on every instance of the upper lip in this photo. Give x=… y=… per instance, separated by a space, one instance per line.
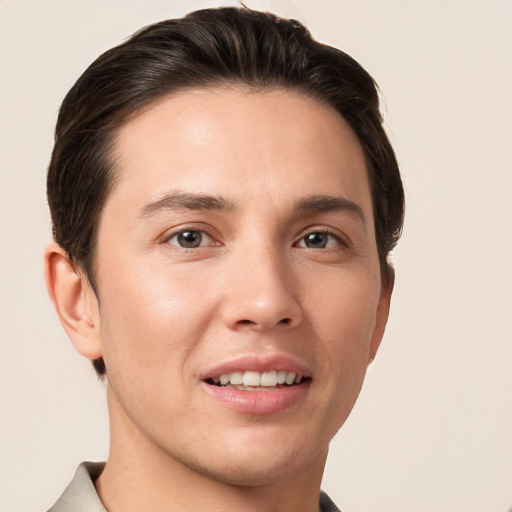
x=257 y=363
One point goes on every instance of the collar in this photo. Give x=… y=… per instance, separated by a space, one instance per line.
x=81 y=496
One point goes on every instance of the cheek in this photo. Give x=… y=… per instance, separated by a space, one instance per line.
x=343 y=318
x=345 y=306
x=151 y=318
x=150 y=330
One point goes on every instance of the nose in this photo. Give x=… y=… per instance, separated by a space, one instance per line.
x=261 y=292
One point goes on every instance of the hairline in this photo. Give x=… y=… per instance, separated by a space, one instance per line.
x=112 y=159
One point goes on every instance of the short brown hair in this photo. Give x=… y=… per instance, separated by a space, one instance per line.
x=206 y=48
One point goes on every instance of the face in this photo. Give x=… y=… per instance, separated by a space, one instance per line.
x=239 y=287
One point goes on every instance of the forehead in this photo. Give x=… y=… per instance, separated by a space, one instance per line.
x=232 y=141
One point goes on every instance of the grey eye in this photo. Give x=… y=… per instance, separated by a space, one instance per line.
x=189 y=239
x=316 y=240
x=319 y=240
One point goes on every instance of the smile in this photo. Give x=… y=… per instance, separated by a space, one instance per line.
x=257 y=381
x=258 y=385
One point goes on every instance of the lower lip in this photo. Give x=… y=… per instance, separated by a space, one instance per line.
x=259 y=402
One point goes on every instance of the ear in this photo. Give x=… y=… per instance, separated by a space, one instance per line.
x=74 y=300
x=382 y=314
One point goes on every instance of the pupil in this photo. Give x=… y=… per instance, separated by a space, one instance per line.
x=189 y=239
x=316 y=240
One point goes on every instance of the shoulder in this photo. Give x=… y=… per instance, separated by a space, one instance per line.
x=326 y=504
x=80 y=495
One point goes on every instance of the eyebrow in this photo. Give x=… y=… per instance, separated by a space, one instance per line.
x=326 y=203
x=188 y=201
x=185 y=201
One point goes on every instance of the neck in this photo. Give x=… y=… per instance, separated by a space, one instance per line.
x=140 y=476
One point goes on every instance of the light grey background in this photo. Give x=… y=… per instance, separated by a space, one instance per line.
x=432 y=430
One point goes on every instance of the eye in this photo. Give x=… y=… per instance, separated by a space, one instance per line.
x=190 y=239
x=319 y=240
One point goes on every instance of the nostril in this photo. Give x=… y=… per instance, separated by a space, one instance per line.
x=283 y=321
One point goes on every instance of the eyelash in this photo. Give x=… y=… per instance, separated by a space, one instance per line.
x=202 y=233
x=339 y=241
x=319 y=231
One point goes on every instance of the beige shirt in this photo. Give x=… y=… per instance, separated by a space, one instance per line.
x=81 y=496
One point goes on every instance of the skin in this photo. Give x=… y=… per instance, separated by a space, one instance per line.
x=256 y=286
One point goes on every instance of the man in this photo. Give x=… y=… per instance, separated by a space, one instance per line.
x=224 y=200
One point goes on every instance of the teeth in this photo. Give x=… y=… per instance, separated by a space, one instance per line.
x=290 y=378
x=236 y=378
x=251 y=379
x=269 y=378
x=257 y=379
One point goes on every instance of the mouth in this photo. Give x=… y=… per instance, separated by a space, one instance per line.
x=259 y=385
x=272 y=380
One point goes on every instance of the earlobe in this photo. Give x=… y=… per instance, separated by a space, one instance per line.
x=381 y=317
x=74 y=300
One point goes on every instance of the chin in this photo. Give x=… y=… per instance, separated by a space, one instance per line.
x=255 y=459
x=251 y=472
